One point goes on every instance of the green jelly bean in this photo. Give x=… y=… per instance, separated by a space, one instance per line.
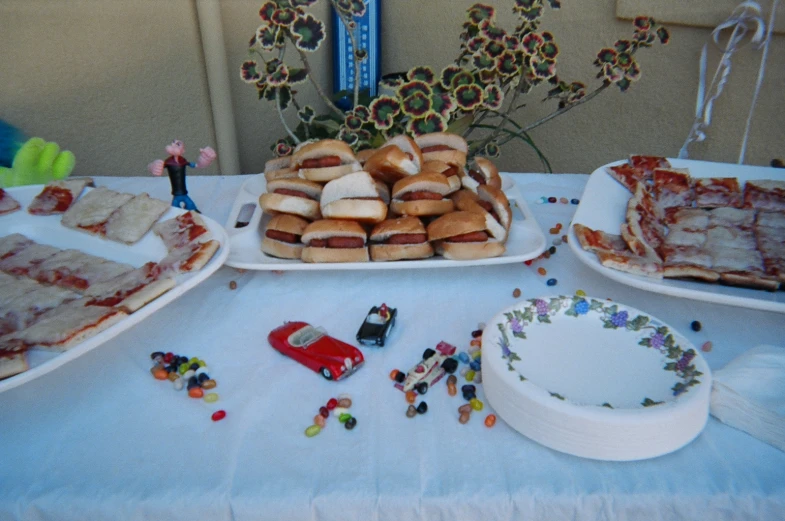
x=183 y=368
x=476 y=404
x=211 y=397
x=312 y=431
x=345 y=416
x=469 y=375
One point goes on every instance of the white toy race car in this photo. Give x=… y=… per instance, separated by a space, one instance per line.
x=434 y=365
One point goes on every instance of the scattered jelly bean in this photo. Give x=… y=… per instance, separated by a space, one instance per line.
x=172 y=376
x=464 y=370
x=465 y=408
x=411 y=412
x=481 y=326
x=696 y=326
x=209 y=384
x=157 y=354
x=580 y=293
x=232 y=284
x=706 y=347
x=178 y=384
x=202 y=369
x=528 y=262
x=473 y=349
x=168 y=358
x=476 y=404
x=475 y=366
x=558 y=226
x=343 y=417
x=332 y=403
x=394 y=373
x=564 y=238
x=182 y=368
x=478 y=377
x=468 y=396
x=452 y=380
x=542 y=200
x=195 y=392
x=476 y=342
x=211 y=397
x=194 y=366
x=202 y=378
x=541 y=270
x=553 y=231
x=192 y=382
x=469 y=375
x=312 y=431
x=338 y=411
x=490 y=420
x=188 y=374
x=345 y=403
x=422 y=408
x=161 y=374
x=324 y=411
x=564 y=200
x=463 y=357
x=350 y=423
x=547 y=254
x=464 y=417
x=575 y=201
x=551 y=282
x=516 y=293
x=477 y=354
x=319 y=420
x=411 y=396
x=552 y=250
x=551 y=199
x=477 y=333
x=452 y=390
x=556 y=241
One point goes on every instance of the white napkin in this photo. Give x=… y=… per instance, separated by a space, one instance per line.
x=749 y=394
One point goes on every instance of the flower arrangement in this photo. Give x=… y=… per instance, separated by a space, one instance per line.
x=477 y=96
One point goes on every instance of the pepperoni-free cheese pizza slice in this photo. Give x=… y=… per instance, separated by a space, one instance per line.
x=732 y=217
x=27 y=259
x=598 y=240
x=679 y=237
x=688 y=262
x=83 y=277
x=673 y=188
x=91 y=212
x=730 y=237
x=189 y=258
x=25 y=309
x=742 y=267
x=12 y=363
x=133 y=220
x=7 y=203
x=631 y=263
x=644 y=230
x=688 y=219
x=63 y=327
x=770 y=219
x=12 y=244
x=628 y=175
x=765 y=194
x=717 y=192
x=58 y=196
x=649 y=163
x=182 y=230
x=131 y=290
x=771 y=244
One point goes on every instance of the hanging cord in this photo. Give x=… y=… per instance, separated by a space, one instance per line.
x=744 y=19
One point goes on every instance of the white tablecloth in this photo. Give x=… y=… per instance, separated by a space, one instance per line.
x=99 y=438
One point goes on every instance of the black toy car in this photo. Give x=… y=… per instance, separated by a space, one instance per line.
x=377 y=325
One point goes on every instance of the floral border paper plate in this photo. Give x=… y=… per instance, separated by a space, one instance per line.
x=594 y=378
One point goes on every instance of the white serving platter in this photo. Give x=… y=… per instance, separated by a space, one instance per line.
x=603 y=207
x=246 y=224
x=48 y=230
x=594 y=378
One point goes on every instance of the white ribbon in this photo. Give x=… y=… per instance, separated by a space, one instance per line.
x=744 y=19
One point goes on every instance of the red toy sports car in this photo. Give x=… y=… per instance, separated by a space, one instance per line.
x=315 y=349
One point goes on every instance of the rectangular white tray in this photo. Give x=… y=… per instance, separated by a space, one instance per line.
x=48 y=230
x=526 y=240
x=603 y=206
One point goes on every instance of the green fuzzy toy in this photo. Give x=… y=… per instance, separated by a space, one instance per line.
x=34 y=162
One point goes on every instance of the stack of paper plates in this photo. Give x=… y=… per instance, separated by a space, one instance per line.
x=594 y=378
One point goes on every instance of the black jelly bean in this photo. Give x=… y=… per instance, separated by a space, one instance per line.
x=194 y=366
x=350 y=423
x=422 y=408
x=469 y=396
x=468 y=388
x=696 y=326
x=575 y=201
x=551 y=199
x=552 y=250
x=476 y=333
x=155 y=355
x=202 y=377
x=193 y=382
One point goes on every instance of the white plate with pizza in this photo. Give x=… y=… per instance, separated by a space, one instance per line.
x=95 y=267
x=247 y=222
x=604 y=209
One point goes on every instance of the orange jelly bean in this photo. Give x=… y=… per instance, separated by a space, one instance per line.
x=411 y=397
x=195 y=392
x=541 y=270
x=161 y=374
x=394 y=373
x=490 y=420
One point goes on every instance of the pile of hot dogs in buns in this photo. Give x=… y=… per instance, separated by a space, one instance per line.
x=409 y=199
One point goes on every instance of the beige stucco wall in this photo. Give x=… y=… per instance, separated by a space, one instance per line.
x=115 y=81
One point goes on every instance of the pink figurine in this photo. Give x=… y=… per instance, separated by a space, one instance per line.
x=175 y=164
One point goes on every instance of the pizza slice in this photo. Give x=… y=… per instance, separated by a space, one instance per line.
x=688 y=219
x=13 y=244
x=27 y=259
x=598 y=240
x=771 y=244
x=7 y=203
x=680 y=237
x=730 y=237
x=61 y=265
x=91 y=212
x=182 y=230
x=133 y=220
x=58 y=196
x=63 y=327
x=630 y=263
x=770 y=219
x=12 y=363
x=742 y=267
x=766 y=194
x=132 y=290
x=643 y=231
x=649 y=163
x=673 y=188
x=24 y=310
x=629 y=176
x=192 y=257
x=717 y=192
x=96 y=270
x=688 y=262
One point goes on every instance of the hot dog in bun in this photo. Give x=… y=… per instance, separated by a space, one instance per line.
x=398 y=239
x=451 y=172
x=389 y=164
x=282 y=236
x=292 y=195
x=324 y=160
x=462 y=235
x=353 y=196
x=492 y=204
x=279 y=168
x=481 y=172
x=332 y=240
x=421 y=194
x=450 y=148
